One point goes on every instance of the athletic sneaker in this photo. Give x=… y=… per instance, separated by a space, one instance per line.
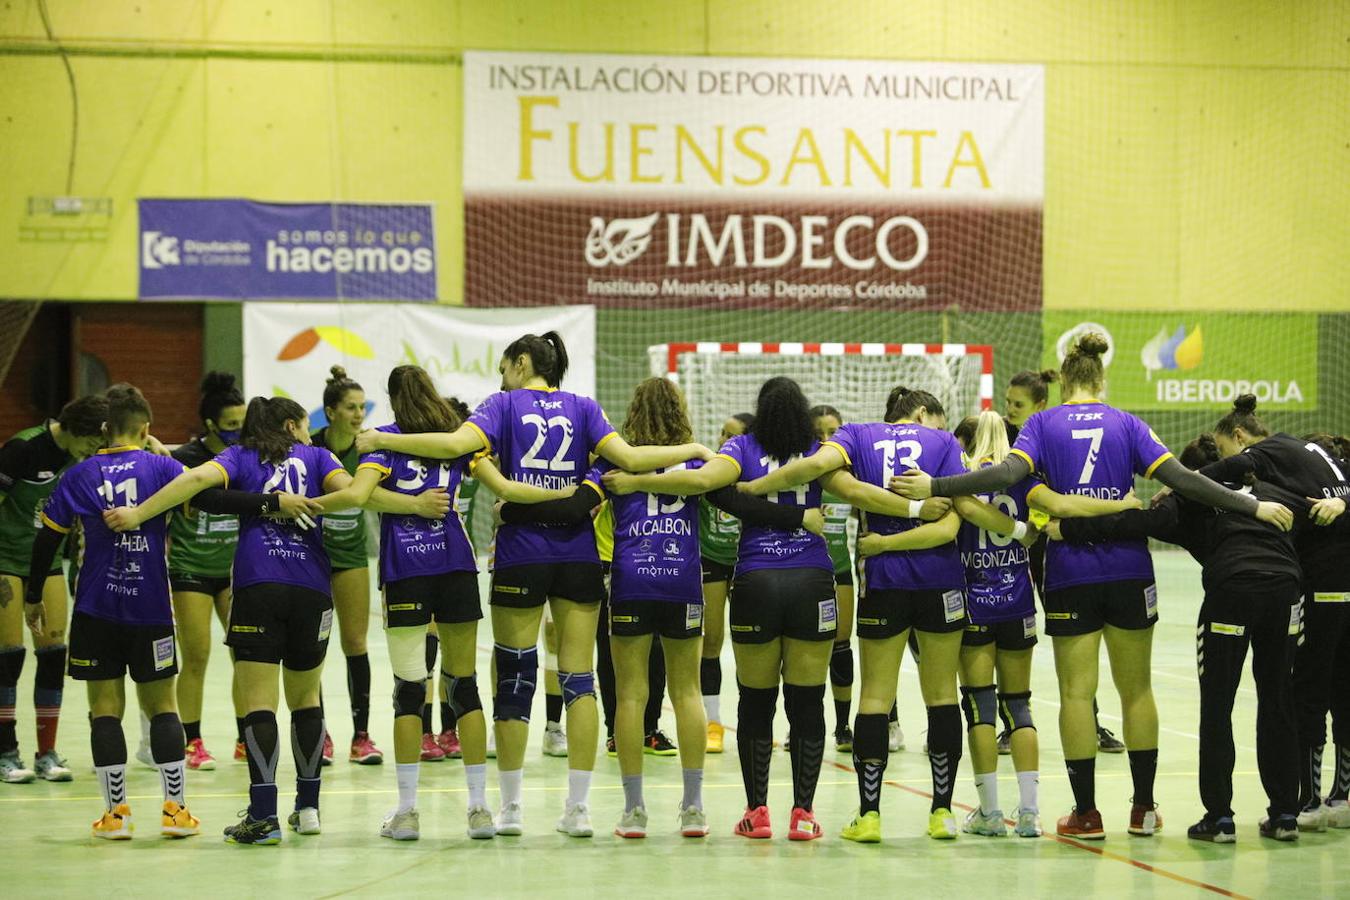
x=693 y=822
x=1214 y=830
x=176 y=822
x=803 y=826
x=50 y=766
x=755 y=824
x=657 y=744
x=1314 y=819
x=144 y=756
x=364 y=752
x=555 y=741
x=843 y=740
x=1028 y=823
x=1108 y=742
x=942 y=825
x=1145 y=820
x=716 y=737
x=13 y=771
x=632 y=824
x=1338 y=813
x=1005 y=743
x=1284 y=828
x=115 y=824
x=511 y=820
x=327 y=748
x=989 y=824
x=403 y=825
x=481 y=826
x=864 y=829
x=575 y=820
x=492 y=743
x=1086 y=825
x=431 y=751
x=198 y=758
x=240 y=752
x=895 y=739
x=448 y=741
x=254 y=831
x=304 y=821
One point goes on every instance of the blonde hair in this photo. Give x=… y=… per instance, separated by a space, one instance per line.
x=991 y=439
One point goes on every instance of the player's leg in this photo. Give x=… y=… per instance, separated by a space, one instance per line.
x=630 y=654
x=12 y=656
x=515 y=631
x=880 y=650
x=1076 y=666
x=351 y=601
x=683 y=656
x=157 y=697
x=654 y=740
x=575 y=623
x=710 y=665
x=432 y=751
x=604 y=672
x=49 y=678
x=841 y=665
x=555 y=737
x=192 y=613
x=107 y=701
x=758 y=671
x=459 y=661
x=1014 y=699
x=1131 y=654
x=224 y=600
x=939 y=660
x=979 y=703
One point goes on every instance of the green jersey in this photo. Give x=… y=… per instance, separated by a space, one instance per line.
x=837 y=513
x=201 y=543
x=344 y=533
x=719 y=534
x=31 y=464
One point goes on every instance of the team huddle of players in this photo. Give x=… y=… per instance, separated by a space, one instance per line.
x=260 y=523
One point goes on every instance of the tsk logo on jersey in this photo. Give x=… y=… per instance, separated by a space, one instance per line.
x=158 y=250
x=1178 y=350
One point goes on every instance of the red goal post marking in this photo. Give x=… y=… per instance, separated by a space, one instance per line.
x=788 y=348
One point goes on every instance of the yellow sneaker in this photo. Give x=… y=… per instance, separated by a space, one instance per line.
x=942 y=825
x=115 y=825
x=716 y=737
x=176 y=822
x=865 y=828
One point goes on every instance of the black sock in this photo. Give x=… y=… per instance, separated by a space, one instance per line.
x=1096 y=715
x=107 y=742
x=11 y=667
x=261 y=741
x=841 y=713
x=944 y=752
x=754 y=741
x=307 y=745
x=870 y=754
x=448 y=718
x=426 y=718
x=1083 y=780
x=358 y=689
x=553 y=707
x=166 y=738
x=1143 y=769
x=710 y=677
x=1310 y=777
x=805 y=706
x=192 y=731
x=239 y=729
x=1340 y=789
x=894 y=714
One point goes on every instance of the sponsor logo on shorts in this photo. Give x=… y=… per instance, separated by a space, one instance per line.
x=827 y=615
x=744 y=628
x=1331 y=597
x=693 y=616
x=1151 y=601
x=325 y=624
x=862 y=621
x=1061 y=616
x=163 y=653
x=1221 y=628
x=954 y=605
x=247 y=629
x=509 y=589
x=83 y=663
x=404 y=607
x=1029 y=627
x=627 y=620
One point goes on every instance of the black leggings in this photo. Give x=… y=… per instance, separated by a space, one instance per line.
x=604 y=671
x=1320 y=668
x=1248 y=610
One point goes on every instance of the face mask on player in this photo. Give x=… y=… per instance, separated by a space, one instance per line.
x=228 y=437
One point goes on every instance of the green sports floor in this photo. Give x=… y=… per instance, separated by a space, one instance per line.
x=48 y=851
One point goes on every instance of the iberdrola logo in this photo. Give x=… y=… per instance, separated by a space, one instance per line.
x=1178 y=350
x=346 y=342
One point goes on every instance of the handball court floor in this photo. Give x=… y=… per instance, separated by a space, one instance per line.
x=50 y=853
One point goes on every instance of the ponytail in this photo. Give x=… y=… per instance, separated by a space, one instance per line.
x=990 y=440
x=1243 y=415
x=1037 y=384
x=1082 y=368
x=264 y=428
x=418 y=406
x=903 y=403
x=548 y=355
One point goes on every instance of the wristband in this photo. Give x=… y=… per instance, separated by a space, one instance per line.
x=1019 y=531
x=915 y=509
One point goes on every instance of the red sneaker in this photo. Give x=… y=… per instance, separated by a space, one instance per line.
x=1145 y=820
x=240 y=752
x=804 y=826
x=755 y=824
x=1085 y=826
x=327 y=748
x=448 y=741
x=364 y=752
x=431 y=751
x=198 y=758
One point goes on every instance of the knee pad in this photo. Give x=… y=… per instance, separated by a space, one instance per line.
x=841 y=665
x=11 y=667
x=979 y=705
x=50 y=677
x=755 y=712
x=576 y=685
x=517 y=677
x=461 y=693
x=409 y=697
x=1017 y=707
x=407 y=653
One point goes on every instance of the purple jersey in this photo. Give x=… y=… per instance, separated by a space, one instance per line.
x=771 y=548
x=998 y=575
x=411 y=546
x=123 y=577
x=1091 y=449
x=543 y=437
x=278 y=551
x=876 y=452
x=656 y=553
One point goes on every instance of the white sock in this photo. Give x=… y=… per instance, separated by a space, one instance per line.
x=407 y=785
x=112 y=780
x=171 y=776
x=578 y=786
x=510 y=785
x=986 y=785
x=476 y=776
x=713 y=706
x=553 y=726
x=693 y=788
x=1028 y=788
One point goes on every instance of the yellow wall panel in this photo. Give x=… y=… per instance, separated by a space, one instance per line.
x=608 y=26
x=848 y=28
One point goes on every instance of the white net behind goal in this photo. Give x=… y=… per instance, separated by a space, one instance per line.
x=721 y=379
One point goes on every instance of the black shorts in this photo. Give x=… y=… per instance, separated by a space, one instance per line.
x=669 y=619
x=1085 y=608
x=1012 y=634
x=198 y=584
x=524 y=587
x=449 y=598
x=714 y=571
x=280 y=624
x=101 y=649
x=889 y=612
x=768 y=604
x=843 y=578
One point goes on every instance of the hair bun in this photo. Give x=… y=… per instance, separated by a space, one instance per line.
x=1092 y=344
x=1049 y=376
x=218 y=383
x=1245 y=404
x=339 y=374
x=903 y=391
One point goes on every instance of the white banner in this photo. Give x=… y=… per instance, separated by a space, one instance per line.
x=289 y=347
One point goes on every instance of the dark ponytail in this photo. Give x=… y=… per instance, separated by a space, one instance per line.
x=1242 y=416
x=548 y=356
x=337 y=387
x=265 y=427
x=783 y=424
x=418 y=406
x=1037 y=384
x=903 y=403
x=1082 y=367
x=128 y=409
x=218 y=392
x=1200 y=452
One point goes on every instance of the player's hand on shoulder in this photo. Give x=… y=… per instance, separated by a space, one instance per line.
x=914 y=484
x=1275 y=514
x=293 y=506
x=368 y=441
x=153 y=445
x=869 y=544
x=1327 y=510
x=121 y=518
x=813 y=520
x=619 y=482
x=707 y=454
x=1052 y=529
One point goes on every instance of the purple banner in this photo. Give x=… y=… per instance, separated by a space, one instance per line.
x=244 y=250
